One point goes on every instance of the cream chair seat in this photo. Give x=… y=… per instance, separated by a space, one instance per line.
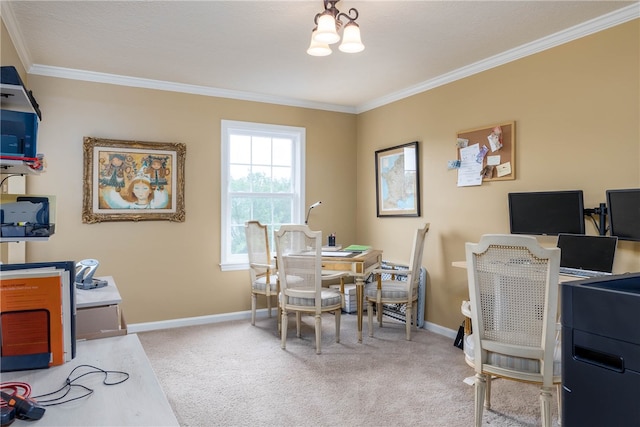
x=299 y=254
x=381 y=292
x=263 y=277
x=513 y=290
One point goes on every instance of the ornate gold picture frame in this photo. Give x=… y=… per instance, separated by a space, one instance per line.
x=132 y=181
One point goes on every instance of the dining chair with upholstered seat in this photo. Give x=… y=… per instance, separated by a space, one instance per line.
x=381 y=292
x=264 y=280
x=513 y=291
x=299 y=256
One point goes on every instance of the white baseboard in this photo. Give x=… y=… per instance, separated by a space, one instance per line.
x=241 y=315
x=192 y=321
x=441 y=330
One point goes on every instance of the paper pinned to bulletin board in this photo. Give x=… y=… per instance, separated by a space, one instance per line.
x=486 y=154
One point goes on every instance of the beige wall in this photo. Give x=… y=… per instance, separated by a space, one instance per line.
x=171 y=270
x=576 y=113
x=576 y=109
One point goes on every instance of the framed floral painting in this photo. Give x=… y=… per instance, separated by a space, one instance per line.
x=132 y=181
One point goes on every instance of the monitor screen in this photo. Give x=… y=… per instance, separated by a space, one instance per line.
x=546 y=212
x=623 y=207
x=595 y=253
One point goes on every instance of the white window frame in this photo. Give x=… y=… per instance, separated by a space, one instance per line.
x=229 y=261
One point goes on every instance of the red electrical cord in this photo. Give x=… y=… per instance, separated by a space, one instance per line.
x=22 y=389
x=34 y=162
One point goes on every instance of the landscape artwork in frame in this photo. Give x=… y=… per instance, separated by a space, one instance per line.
x=398 y=181
x=132 y=181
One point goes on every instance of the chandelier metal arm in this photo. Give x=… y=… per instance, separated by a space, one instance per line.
x=330 y=7
x=347 y=16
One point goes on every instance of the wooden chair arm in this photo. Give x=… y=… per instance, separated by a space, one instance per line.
x=260 y=265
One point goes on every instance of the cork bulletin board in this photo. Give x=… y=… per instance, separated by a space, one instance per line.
x=498 y=164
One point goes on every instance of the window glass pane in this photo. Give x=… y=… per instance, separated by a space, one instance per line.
x=282 y=180
x=240 y=210
x=238 y=240
x=240 y=149
x=239 y=180
x=261 y=179
x=282 y=211
x=262 y=209
x=261 y=151
x=282 y=152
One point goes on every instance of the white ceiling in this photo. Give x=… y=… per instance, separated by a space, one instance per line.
x=257 y=49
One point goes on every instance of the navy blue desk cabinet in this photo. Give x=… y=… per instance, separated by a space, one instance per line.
x=601 y=351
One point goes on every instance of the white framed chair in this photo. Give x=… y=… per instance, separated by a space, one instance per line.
x=513 y=290
x=381 y=292
x=264 y=280
x=299 y=254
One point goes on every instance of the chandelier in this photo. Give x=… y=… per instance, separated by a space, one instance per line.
x=328 y=23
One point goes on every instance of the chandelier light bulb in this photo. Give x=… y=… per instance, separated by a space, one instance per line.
x=351 y=42
x=326 y=32
x=316 y=48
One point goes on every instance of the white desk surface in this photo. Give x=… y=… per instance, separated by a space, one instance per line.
x=107 y=295
x=139 y=401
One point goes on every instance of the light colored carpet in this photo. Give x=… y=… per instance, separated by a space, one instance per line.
x=235 y=374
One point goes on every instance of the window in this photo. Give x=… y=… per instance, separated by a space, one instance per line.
x=262 y=179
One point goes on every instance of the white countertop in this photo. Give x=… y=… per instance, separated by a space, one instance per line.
x=139 y=401
x=107 y=295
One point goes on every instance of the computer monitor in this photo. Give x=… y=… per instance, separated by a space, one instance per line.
x=623 y=207
x=546 y=212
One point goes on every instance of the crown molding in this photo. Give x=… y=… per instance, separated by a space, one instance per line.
x=92 y=76
x=9 y=19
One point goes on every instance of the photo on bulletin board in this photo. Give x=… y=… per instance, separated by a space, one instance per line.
x=494 y=147
x=398 y=181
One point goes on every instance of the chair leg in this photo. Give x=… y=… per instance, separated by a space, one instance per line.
x=337 y=319
x=545 y=406
x=407 y=320
x=298 y=324
x=269 y=304
x=318 y=333
x=279 y=316
x=370 y=317
x=283 y=327
x=254 y=297
x=487 y=394
x=559 y=393
x=480 y=386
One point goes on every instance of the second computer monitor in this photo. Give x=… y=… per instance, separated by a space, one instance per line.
x=623 y=207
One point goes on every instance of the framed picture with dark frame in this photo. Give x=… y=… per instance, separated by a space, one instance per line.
x=132 y=181
x=398 y=181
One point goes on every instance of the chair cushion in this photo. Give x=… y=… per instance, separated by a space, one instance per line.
x=515 y=363
x=261 y=283
x=329 y=298
x=391 y=289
